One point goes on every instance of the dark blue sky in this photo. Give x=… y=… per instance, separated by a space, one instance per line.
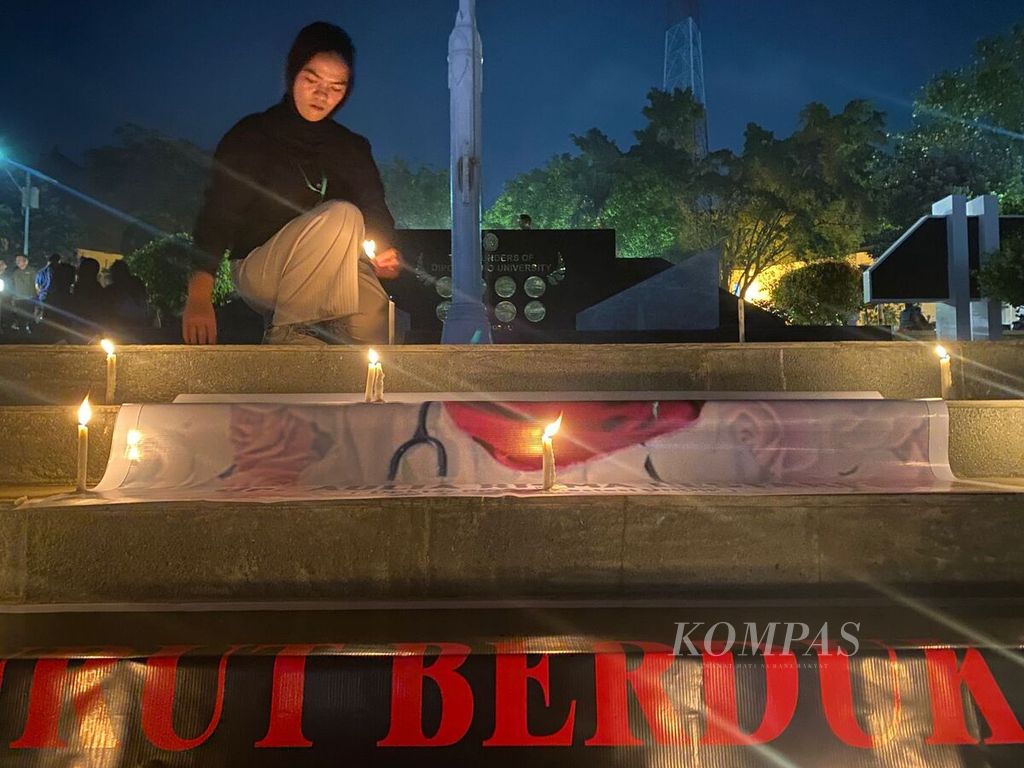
x=73 y=71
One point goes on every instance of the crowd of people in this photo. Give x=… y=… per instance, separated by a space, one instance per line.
x=62 y=303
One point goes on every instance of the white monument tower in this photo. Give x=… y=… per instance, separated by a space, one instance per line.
x=467 y=320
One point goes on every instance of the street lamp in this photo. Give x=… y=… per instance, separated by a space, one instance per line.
x=29 y=199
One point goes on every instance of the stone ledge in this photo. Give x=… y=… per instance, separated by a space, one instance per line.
x=505 y=548
x=53 y=375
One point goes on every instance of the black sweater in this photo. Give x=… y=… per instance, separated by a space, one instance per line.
x=262 y=173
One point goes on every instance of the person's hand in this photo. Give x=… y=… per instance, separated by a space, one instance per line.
x=388 y=264
x=198 y=322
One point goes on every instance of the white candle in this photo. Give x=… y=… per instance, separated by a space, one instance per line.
x=548 y=452
x=371 y=388
x=945 y=373
x=133 y=439
x=84 y=415
x=370 y=248
x=378 y=384
x=108 y=347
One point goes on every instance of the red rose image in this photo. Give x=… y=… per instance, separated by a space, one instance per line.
x=511 y=432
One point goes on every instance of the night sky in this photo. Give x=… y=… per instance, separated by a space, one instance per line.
x=73 y=71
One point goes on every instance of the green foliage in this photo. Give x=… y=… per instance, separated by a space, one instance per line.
x=164 y=266
x=803 y=198
x=1002 y=277
x=152 y=177
x=8 y=227
x=825 y=293
x=647 y=194
x=966 y=138
x=418 y=198
x=53 y=227
x=550 y=195
x=644 y=214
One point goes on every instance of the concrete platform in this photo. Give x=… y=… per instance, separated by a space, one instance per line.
x=63 y=375
x=599 y=547
x=986 y=440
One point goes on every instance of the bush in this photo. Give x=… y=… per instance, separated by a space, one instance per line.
x=826 y=293
x=164 y=267
x=1002 y=277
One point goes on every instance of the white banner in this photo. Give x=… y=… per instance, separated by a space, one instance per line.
x=271 y=451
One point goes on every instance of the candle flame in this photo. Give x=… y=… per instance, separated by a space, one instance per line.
x=552 y=429
x=84 y=412
x=373 y=357
x=370 y=246
x=133 y=439
x=108 y=346
x=941 y=352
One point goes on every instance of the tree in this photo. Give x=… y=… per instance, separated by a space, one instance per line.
x=966 y=137
x=164 y=266
x=1002 y=277
x=418 y=198
x=825 y=293
x=53 y=226
x=148 y=176
x=806 y=197
x=647 y=194
x=550 y=195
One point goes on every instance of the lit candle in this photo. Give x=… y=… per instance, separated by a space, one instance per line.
x=370 y=248
x=84 y=414
x=548 y=450
x=378 y=384
x=372 y=371
x=108 y=347
x=945 y=373
x=133 y=439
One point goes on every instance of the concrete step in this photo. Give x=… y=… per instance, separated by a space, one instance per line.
x=953 y=544
x=146 y=374
x=986 y=441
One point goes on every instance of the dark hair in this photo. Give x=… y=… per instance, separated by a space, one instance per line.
x=319 y=37
x=88 y=270
x=62 y=278
x=53 y=258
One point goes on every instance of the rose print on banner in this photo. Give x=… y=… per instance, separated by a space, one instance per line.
x=511 y=432
x=273 y=445
x=864 y=441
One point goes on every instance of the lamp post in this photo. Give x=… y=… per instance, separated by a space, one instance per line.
x=467 y=318
x=29 y=200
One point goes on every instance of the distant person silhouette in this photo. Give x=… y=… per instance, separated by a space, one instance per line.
x=127 y=300
x=88 y=302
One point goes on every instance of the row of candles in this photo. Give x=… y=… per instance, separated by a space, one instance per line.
x=373 y=393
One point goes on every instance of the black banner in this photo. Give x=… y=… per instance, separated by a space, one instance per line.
x=624 y=704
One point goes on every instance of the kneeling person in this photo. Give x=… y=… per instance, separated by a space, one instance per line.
x=292 y=196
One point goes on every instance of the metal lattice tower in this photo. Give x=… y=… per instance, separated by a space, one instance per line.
x=684 y=57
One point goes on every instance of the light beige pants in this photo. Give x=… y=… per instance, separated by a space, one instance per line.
x=314 y=270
